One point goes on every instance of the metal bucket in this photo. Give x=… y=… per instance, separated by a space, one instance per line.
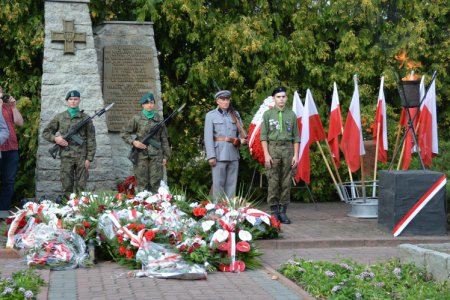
x=364 y=208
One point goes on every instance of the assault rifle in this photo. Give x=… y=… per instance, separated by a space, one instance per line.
x=72 y=135
x=148 y=138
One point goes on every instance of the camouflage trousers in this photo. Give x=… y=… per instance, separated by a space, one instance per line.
x=73 y=174
x=280 y=174
x=149 y=173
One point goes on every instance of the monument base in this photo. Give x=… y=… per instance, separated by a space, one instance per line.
x=400 y=191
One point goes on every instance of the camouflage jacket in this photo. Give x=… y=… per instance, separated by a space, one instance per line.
x=61 y=124
x=138 y=127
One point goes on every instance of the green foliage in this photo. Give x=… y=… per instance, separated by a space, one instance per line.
x=351 y=280
x=22 y=285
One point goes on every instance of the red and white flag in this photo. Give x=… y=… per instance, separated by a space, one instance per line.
x=254 y=131
x=352 y=144
x=427 y=133
x=335 y=126
x=297 y=107
x=312 y=131
x=381 y=120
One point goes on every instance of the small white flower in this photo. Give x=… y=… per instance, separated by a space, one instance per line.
x=207 y=225
x=210 y=206
x=219 y=212
x=195 y=204
x=245 y=235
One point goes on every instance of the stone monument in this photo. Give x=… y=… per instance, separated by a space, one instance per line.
x=119 y=57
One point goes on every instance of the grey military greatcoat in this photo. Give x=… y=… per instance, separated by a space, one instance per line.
x=220 y=131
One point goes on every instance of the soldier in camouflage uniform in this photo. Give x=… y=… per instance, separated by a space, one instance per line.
x=280 y=142
x=75 y=159
x=149 y=169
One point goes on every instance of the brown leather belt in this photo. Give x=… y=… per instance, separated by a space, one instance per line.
x=235 y=141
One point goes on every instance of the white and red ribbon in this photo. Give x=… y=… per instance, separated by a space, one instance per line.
x=419 y=205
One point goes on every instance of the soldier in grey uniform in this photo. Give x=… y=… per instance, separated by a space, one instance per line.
x=149 y=169
x=75 y=159
x=280 y=142
x=223 y=135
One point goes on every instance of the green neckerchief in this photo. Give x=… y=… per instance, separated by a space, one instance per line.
x=73 y=111
x=280 y=117
x=149 y=114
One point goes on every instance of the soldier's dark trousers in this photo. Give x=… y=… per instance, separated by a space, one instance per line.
x=279 y=175
x=149 y=173
x=73 y=174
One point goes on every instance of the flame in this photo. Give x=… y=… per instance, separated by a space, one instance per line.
x=410 y=65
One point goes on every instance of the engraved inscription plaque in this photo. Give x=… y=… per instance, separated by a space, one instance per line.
x=128 y=73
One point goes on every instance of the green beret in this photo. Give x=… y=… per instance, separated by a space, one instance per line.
x=73 y=93
x=147 y=98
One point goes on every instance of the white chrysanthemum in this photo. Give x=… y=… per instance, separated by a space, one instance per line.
x=244 y=235
x=210 y=206
x=207 y=225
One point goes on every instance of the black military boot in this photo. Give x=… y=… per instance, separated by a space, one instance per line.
x=275 y=211
x=283 y=218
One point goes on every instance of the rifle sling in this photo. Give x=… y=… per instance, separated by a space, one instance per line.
x=241 y=130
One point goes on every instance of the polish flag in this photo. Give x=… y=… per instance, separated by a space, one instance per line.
x=297 y=107
x=427 y=133
x=335 y=126
x=312 y=131
x=381 y=119
x=254 y=130
x=352 y=144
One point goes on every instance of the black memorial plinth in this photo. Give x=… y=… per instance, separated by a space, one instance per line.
x=399 y=191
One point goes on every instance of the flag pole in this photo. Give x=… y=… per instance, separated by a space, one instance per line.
x=341 y=185
x=329 y=170
x=350 y=172
x=397 y=140
x=401 y=155
x=376 y=160
x=363 y=179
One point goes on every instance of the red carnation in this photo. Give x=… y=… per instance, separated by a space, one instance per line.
x=122 y=250
x=199 y=211
x=131 y=226
x=129 y=253
x=120 y=238
x=101 y=208
x=86 y=224
x=149 y=235
x=82 y=232
x=139 y=227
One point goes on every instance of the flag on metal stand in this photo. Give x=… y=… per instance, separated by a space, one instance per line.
x=335 y=126
x=380 y=126
x=352 y=140
x=427 y=133
x=312 y=131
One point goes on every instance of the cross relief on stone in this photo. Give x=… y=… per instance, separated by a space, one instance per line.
x=69 y=37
